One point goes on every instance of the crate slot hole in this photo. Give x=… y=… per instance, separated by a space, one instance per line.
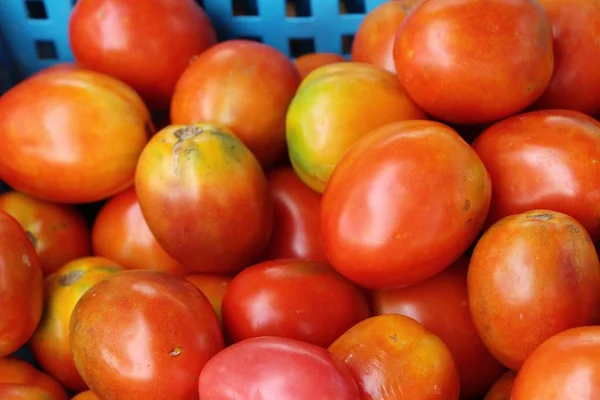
x=347 y=41
x=298 y=8
x=352 y=7
x=301 y=46
x=245 y=7
x=36 y=9
x=200 y=3
x=46 y=50
x=251 y=38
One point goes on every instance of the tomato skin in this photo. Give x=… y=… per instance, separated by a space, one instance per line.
x=250 y=97
x=489 y=59
x=120 y=233
x=111 y=36
x=87 y=395
x=214 y=288
x=502 y=388
x=296 y=299
x=19 y=372
x=531 y=276
x=441 y=305
x=216 y=180
x=13 y=391
x=179 y=334
x=46 y=153
x=21 y=286
x=307 y=63
x=274 y=368
x=389 y=176
x=553 y=157
x=59 y=232
x=334 y=107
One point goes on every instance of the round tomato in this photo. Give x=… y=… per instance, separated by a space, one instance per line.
x=13 y=391
x=243 y=85
x=120 y=233
x=334 y=107
x=532 y=275
x=20 y=372
x=59 y=232
x=50 y=342
x=214 y=288
x=544 y=159
x=403 y=204
x=274 y=368
x=87 y=395
x=302 y=300
x=111 y=36
x=311 y=61
x=151 y=343
x=502 y=388
x=78 y=142
x=475 y=61
x=21 y=286
x=205 y=197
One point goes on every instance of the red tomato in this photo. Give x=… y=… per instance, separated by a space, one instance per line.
x=59 y=232
x=151 y=343
x=273 y=368
x=531 y=276
x=473 y=61
x=296 y=299
x=297 y=218
x=441 y=305
x=21 y=286
x=112 y=36
x=120 y=233
x=205 y=197
x=395 y=357
x=214 y=288
x=544 y=159
x=243 y=85
x=502 y=388
x=78 y=142
x=87 y=395
x=13 y=391
x=307 y=63
x=394 y=214
x=20 y=372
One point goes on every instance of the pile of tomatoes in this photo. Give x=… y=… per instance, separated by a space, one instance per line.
x=191 y=219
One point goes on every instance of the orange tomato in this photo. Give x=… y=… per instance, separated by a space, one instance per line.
x=502 y=388
x=13 y=391
x=213 y=287
x=16 y=371
x=87 y=395
x=311 y=61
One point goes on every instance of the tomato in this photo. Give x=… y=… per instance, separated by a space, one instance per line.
x=87 y=395
x=21 y=286
x=403 y=204
x=502 y=388
x=214 y=288
x=205 y=197
x=77 y=143
x=274 y=368
x=441 y=305
x=544 y=159
x=334 y=107
x=297 y=219
x=151 y=343
x=120 y=233
x=475 y=61
x=20 y=372
x=311 y=61
x=12 y=391
x=243 y=85
x=59 y=232
x=111 y=36
x=50 y=342
x=393 y=356
x=296 y=299
x=374 y=39
x=532 y=275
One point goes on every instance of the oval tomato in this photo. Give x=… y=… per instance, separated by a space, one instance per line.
x=21 y=286
x=87 y=395
x=311 y=61
x=532 y=275
x=273 y=368
x=472 y=61
x=393 y=214
x=205 y=197
x=77 y=143
x=63 y=289
x=111 y=36
x=20 y=372
x=59 y=232
x=151 y=343
x=120 y=233
x=12 y=391
x=502 y=388
x=214 y=288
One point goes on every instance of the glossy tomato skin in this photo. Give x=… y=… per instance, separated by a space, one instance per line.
x=21 y=286
x=394 y=215
x=307 y=63
x=13 y=391
x=274 y=368
x=531 y=276
x=19 y=372
x=59 y=232
x=297 y=299
x=150 y=344
x=77 y=143
x=205 y=197
x=250 y=97
x=120 y=233
x=544 y=159
x=111 y=36
x=214 y=288
x=441 y=305
x=50 y=342
x=297 y=218
x=488 y=60
x=502 y=388
x=393 y=356
x=87 y=395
